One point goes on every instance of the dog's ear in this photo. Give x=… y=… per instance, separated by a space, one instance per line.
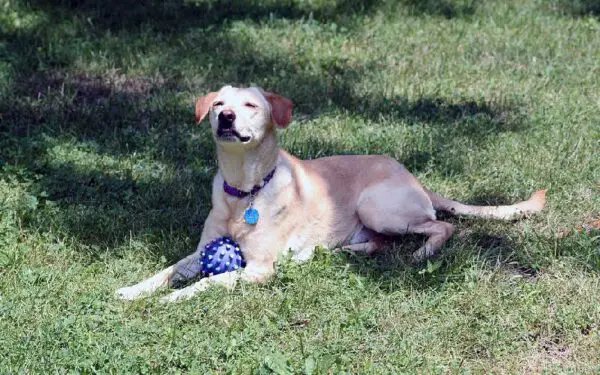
x=203 y=106
x=281 y=109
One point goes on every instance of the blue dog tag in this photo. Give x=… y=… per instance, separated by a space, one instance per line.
x=251 y=216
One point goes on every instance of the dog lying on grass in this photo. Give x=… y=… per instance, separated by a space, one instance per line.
x=355 y=202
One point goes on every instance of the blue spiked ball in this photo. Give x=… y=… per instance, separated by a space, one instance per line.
x=220 y=256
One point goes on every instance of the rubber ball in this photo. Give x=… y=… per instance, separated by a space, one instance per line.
x=221 y=255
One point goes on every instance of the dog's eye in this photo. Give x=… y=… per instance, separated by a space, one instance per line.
x=216 y=104
x=251 y=105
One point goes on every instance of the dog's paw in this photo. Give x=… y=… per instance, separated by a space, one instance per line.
x=421 y=255
x=177 y=296
x=171 y=298
x=187 y=292
x=129 y=293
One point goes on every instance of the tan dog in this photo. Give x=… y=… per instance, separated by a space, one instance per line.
x=348 y=201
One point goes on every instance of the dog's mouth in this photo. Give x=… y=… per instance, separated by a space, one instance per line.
x=231 y=135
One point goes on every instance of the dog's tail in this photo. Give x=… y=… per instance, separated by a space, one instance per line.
x=534 y=204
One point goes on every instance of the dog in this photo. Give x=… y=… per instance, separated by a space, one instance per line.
x=353 y=201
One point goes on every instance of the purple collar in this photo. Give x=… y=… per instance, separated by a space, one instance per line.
x=242 y=194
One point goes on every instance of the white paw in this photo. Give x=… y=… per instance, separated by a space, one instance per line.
x=186 y=293
x=129 y=293
x=179 y=295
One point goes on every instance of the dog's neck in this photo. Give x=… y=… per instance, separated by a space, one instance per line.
x=245 y=169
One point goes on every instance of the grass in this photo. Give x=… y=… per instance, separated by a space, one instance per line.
x=104 y=179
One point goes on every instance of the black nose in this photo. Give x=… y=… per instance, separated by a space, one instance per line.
x=226 y=118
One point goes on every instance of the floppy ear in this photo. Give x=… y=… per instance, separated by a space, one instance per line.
x=203 y=105
x=281 y=109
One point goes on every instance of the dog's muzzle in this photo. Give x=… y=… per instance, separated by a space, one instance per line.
x=226 y=130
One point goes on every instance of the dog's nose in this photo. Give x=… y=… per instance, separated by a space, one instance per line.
x=226 y=118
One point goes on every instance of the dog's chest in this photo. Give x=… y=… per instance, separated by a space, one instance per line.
x=271 y=209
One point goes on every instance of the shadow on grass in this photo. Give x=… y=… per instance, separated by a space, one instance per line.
x=578 y=8
x=122 y=115
x=176 y=15
x=445 y=8
x=392 y=269
x=479 y=248
x=103 y=212
x=472 y=122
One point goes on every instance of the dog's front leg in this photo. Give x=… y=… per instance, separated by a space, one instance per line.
x=188 y=267
x=254 y=272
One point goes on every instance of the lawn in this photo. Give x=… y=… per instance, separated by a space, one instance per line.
x=105 y=179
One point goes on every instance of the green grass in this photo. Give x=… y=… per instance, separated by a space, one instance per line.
x=104 y=179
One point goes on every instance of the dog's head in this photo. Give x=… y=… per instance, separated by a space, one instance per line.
x=242 y=116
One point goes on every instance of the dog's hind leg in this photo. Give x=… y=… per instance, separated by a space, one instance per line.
x=365 y=247
x=393 y=207
x=438 y=233
x=366 y=241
